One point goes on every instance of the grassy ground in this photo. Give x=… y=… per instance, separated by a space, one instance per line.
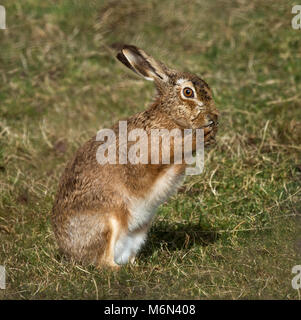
x=231 y=232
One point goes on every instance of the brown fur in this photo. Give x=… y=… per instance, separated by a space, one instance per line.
x=92 y=206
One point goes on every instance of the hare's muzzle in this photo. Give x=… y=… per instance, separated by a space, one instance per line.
x=210 y=128
x=212 y=120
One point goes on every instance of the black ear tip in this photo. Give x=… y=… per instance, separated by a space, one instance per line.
x=117 y=46
x=131 y=48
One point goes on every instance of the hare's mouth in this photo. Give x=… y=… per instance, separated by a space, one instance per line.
x=210 y=129
x=211 y=125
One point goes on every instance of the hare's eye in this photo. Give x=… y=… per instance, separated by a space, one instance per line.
x=188 y=92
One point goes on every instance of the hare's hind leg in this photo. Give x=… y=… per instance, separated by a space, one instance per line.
x=91 y=238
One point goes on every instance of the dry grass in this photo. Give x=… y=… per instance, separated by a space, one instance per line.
x=232 y=232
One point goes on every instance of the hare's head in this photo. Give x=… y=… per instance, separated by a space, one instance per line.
x=183 y=96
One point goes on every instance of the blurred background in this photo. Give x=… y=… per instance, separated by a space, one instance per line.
x=232 y=232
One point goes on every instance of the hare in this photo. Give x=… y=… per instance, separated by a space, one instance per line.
x=102 y=212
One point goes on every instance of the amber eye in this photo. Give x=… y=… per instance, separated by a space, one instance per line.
x=188 y=92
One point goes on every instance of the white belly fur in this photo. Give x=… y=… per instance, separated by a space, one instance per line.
x=142 y=211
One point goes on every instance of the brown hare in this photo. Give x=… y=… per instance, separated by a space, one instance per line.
x=102 y=211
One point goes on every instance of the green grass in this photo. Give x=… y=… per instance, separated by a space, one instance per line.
x=233 y=231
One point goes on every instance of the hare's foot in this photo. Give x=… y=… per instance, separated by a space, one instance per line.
x=127 y=246
x=133 y=259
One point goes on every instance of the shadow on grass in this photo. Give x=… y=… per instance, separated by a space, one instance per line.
x=177 y=237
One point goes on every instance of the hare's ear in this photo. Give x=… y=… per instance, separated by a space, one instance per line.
x=143 y=64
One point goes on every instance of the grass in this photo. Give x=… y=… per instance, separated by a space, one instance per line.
x=232 y=232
